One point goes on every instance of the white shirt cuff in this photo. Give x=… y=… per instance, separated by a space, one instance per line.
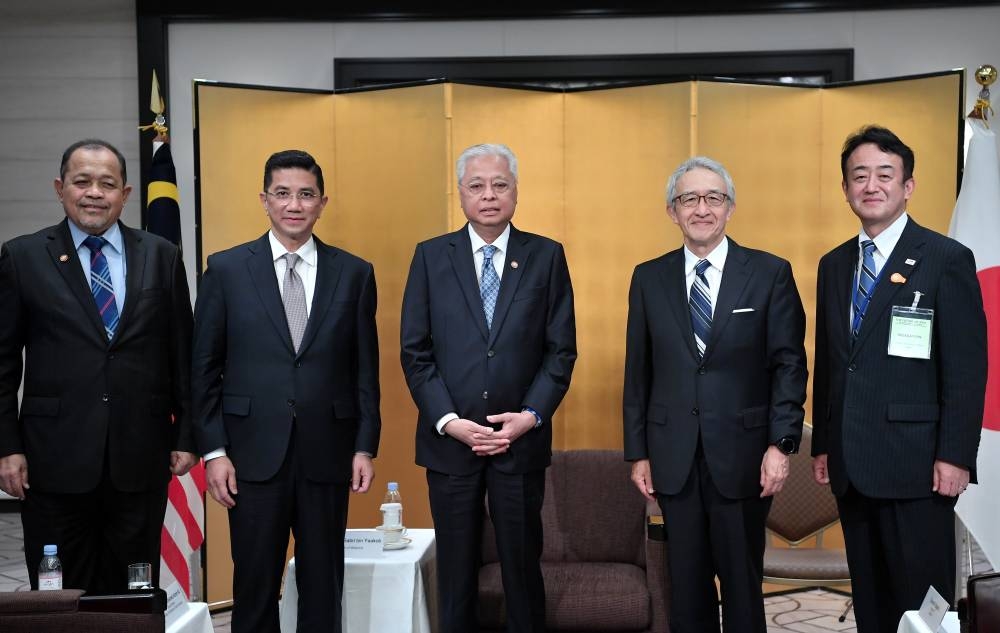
x=219 y=452
x=445 y=419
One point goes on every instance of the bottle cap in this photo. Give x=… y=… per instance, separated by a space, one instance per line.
x=393 y=486
x=50 y=550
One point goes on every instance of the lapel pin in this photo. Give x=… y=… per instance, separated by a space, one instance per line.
x=513 y=264
x=64 y=258
x=897 y=278
x=910 y=262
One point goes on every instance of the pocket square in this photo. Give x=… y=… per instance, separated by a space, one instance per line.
x=738 y=310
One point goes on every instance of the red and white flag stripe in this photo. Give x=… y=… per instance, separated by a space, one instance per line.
x=183 y=528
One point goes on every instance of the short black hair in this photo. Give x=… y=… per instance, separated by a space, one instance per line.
x=91 y=143
x=885 y=140
x=293 y=159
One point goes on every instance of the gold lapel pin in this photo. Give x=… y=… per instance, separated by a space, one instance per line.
x=64 y=258
x=513 y=264
x=897 y=278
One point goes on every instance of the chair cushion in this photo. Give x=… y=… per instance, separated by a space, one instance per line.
x=806 y=563
x=578 y=597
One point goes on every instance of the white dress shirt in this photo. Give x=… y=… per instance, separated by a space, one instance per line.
x=713 y=274
x=884 y=245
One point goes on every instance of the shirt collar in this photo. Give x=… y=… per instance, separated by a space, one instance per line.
x=113 y=235
x=886 y=240
x=307 y=252
x=717 y=258
x=500 y=242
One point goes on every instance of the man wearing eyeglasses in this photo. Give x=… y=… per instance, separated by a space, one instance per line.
x=488 y=343
x=286 y=398
x=715 y=380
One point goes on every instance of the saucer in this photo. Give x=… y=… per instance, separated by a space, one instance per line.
x=400 y=544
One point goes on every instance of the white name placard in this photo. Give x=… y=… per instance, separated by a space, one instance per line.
x=363 y=544
x=175 y=602
x=933 y=610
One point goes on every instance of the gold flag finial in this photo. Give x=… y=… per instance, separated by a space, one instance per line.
x=157 y=105
x=985 y=76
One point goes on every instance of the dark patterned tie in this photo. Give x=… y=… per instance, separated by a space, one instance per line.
x=294 y=298
x=489 y=284
x=866 y=284
x=701 y=306
x=100 y=284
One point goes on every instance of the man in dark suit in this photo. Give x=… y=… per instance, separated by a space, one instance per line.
x=715 y=378
x=286 y=398
x=102 y=315
x=488 y=342
x=898 y=392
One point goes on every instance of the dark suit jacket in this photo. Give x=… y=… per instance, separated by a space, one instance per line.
x=83 y=394
x=248 y=383
x=454 y=363
x=745 y=394
x=883 y=420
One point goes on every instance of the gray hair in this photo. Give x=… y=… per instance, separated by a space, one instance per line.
x=486 y=149
x=701 y=162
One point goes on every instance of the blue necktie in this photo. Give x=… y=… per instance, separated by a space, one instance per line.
x=100 y=284
x=701 y=306
x=866 y=283
x=489 y=284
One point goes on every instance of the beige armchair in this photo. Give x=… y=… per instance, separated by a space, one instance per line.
x=602 y=571
x=70 y=610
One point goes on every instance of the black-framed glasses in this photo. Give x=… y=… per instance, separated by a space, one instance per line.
x=284 y=198
x=712 y=198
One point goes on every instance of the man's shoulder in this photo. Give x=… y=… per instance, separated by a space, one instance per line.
x=759 y=258
x=345 y=258
x=31 y=240
x=658 y=263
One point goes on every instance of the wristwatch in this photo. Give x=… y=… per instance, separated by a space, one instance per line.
x=787 y=445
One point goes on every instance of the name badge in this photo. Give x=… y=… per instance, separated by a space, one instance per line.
x=910 y=332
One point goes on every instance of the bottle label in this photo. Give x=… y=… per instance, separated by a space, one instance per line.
x=392 y=514
x=50 y=581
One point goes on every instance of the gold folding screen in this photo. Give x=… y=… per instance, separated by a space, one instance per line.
x=593 y=167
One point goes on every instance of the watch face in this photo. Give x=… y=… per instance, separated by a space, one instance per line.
x=786 y=445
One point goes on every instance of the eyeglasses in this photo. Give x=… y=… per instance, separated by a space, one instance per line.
x=477 y=188
x=305 y=197
x=691 y=200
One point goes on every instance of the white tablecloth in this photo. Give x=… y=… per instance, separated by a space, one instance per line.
x=911 y=623
x=194 y=618
x=381 y=595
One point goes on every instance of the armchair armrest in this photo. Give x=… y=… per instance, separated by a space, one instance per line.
x=29 y=602
x=656 y=568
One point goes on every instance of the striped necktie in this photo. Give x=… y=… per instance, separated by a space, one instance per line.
x=100 y=284
x=701 y=306
x=866 y=284
x=294 y=298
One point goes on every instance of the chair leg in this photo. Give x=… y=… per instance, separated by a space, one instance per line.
x=847 y=609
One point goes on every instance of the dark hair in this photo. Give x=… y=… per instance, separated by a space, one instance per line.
x=885 y=140
x=91 y=143
x=293 y=159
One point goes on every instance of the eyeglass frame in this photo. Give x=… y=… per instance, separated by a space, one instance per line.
x=699 y=197
x=507 y=187
x=284 y=198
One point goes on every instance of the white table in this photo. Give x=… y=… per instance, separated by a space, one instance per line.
x=193 y=618
x=381 y=595
x=911 y=623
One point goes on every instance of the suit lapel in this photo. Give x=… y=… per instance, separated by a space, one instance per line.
x=905 y=257
x=843 y=269
x=60 y=245
x=518 y=250
x=135 y=265
x=261 y=268
x=734 y=280
x=672 y=277
x=328 y=269
x=465 y=272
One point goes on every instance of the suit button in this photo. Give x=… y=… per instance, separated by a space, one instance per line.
x=105 y=397
x=486 y=395
x=490 y=354
x=111 y=356
x=694 y=411
x=298 y=363
x=291 y=402
x=852 y=367
x=702 y=371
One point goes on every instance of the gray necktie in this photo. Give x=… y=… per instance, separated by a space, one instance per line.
x=294 y=298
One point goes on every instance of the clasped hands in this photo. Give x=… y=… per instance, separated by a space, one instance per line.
x=485 y=440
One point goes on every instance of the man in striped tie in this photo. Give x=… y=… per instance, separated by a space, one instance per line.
x=896 y=428
x=715 y=379
x=102 y=315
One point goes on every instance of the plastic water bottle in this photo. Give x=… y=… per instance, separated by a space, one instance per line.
x=392 y=506
x=50 y=574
